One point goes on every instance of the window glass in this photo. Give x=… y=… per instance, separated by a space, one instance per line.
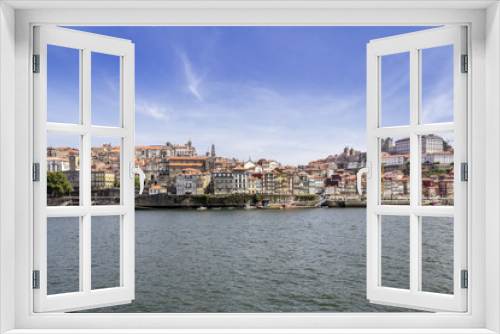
x=105 y=252
x=63 y=170
x=437 y=254
x=63 y=255
x=63 y=85
x=438 y=173
x=395 y=170
x=437 y=84
x=105 y=177
x=105 y=90
x=395 y=89
x=395 y=253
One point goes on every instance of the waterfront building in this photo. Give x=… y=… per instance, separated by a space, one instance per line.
x=187 y=182
x=252 y=185
x=155 y=190
x=240 y=180
x=316 y=184
x=268 y=185
x=221 y=182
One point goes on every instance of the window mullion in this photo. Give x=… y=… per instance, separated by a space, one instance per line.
x=414 y=168
x=86 y=173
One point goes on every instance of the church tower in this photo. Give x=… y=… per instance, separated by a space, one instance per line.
x=213 y=150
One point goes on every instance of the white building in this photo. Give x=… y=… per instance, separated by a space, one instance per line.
x=55 y=164
x=397 y=159
x=438 y=157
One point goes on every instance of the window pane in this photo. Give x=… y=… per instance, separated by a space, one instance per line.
x=105 y=252
x=437 y=254
x=105 y=175
x=105 y=90
x=63 y=85
x=395 y=251
x=437 y=169
x=395 y=89
x=437 y=84
x=395 y=170
x=63 y=169
x=63 y=255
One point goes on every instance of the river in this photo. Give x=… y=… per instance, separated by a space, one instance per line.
x=306 y=260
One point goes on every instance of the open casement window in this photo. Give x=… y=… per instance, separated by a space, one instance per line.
x=69 y=122
x=431 y=199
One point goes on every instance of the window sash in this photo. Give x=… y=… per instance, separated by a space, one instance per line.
x=413 y=43
x=86 y=298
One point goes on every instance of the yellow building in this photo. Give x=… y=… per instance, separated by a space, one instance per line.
x=101 y=179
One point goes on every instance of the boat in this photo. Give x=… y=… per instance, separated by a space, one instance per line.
x=217 y=209
x=269 y=207
x=290 y=207
x=230 y=208
x=250 y=207
x=201 y=208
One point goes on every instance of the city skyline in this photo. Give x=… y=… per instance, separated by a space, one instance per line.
x=287 y=93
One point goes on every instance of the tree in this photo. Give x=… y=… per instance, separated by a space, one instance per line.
x=446 y=145
x=58 y=184
x=116 y=183
x=137 y=182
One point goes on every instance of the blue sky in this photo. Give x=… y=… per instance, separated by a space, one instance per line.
x=293 y=94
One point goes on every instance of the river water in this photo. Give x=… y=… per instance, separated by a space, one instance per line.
x=306 y=260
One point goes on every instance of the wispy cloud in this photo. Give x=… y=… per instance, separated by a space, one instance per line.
x=193 y=79
x=262 y=122
x=152 y=109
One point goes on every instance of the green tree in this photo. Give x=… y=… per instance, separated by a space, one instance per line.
x=116 y=183
x=58 y=184
x=137 y=181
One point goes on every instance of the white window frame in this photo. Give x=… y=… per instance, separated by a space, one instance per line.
x=86 y=44
x=414 y=43
x=481 y=17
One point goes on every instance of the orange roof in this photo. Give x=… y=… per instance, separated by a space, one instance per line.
x=192 y=170
x=157 y=187
x=177 y=164
x=188 y=158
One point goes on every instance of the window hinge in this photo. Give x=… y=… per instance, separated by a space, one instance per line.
x=465 y=279
x=464 y=171
x=36 y=172
x=36 y=63
x=465 y=64
x=36 y=279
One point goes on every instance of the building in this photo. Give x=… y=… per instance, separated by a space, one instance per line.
x=398 y=159
x=316 y=184
x=57 y=164
x=430 y=144
x=446 y=157
x=240 y=180
x=102 y=179
x=221 y=182
x=187 y=182
x=155 y=190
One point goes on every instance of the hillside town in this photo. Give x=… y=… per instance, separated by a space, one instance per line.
x=179 y=170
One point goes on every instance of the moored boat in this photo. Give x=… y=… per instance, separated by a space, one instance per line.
x=201 y=208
